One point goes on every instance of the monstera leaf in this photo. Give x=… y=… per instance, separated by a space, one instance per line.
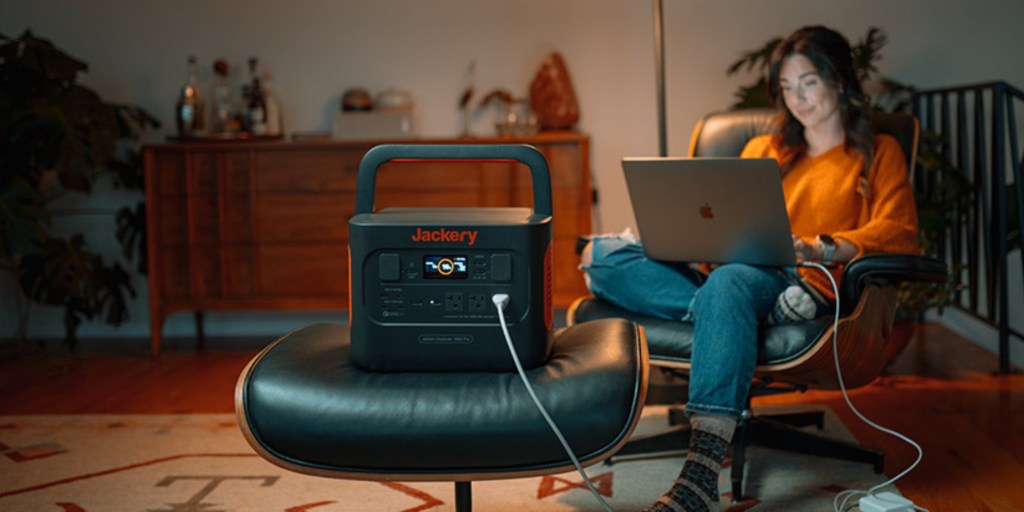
x=67 y=129
x=24 y=220
x=753 y=96
x=40 y=64
x=131 y=233
x=65 y=273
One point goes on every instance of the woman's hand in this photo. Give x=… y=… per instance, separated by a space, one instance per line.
x=806 y=251
x=813 y=251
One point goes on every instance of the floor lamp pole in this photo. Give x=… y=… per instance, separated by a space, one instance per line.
x=659 y=70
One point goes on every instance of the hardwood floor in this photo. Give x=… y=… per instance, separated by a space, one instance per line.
x=940 y=392
x=119 y=376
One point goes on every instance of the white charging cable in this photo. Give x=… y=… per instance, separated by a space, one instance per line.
x=501 y=301
x=884 y=498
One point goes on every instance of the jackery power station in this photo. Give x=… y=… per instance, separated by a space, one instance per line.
x=421 y=279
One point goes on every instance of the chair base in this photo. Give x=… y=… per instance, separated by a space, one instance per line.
x=463 y=496
x=779 y=431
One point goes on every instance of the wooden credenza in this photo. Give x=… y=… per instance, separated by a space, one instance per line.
x=264 y=225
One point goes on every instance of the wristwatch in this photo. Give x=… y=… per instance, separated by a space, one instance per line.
x=828 y=248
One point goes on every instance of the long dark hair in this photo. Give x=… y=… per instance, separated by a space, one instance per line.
x=831 y=56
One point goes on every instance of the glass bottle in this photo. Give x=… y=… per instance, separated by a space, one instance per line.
x=256 y=109
x=273 y=108
x=190 y=109
x=224 y=121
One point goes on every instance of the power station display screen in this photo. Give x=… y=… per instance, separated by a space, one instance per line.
x=445 y=267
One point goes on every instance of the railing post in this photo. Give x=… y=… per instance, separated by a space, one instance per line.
x=1001 y=256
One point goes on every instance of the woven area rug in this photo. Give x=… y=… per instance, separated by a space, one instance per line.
x=193 y=463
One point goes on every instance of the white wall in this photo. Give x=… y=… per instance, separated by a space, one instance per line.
x=136 y=53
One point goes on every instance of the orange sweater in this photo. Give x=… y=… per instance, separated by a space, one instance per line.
x=822 y=197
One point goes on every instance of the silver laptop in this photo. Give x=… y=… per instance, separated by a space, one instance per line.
x=715 y=210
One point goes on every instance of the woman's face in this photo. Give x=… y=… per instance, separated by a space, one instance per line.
x=811 y=100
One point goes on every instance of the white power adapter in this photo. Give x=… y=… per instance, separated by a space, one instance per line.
x=885 y=502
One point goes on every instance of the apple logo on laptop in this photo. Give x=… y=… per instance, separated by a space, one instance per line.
x=705 y=211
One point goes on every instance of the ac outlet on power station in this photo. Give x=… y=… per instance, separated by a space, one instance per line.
x=478 y=302
x=453 y=301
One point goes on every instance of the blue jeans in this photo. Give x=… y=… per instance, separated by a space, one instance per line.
x=725 y=307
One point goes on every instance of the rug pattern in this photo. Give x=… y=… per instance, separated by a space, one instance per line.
x=201 y=463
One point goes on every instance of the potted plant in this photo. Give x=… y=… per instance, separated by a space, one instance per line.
x=937 y=208
x=56 y=136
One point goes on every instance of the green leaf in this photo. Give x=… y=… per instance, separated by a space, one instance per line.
x=47 y=121
x=867 y=52
x=39 y=58
x=67 y=274
x=127 y=169
x=111 y=297
x=88 y=137
x=131 y=233
x=24 y=220
x=754 y=96
x=132 y=121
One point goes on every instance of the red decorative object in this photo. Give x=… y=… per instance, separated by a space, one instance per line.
x=552 y=97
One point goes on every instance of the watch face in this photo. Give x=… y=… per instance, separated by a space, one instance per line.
x=828 y=248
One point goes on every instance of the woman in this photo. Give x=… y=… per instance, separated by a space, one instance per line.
x=847 y=194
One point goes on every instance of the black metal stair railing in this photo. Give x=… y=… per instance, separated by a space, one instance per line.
x=977 y=129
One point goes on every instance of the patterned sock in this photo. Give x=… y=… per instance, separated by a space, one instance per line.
x=696 y=489
x=794 y=305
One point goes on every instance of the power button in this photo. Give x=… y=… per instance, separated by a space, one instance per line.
x=501 y=267
x=388 y=266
